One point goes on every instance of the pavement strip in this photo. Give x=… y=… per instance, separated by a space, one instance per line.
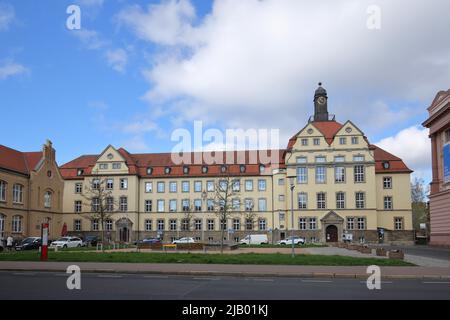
x=318 y=281
x=436 y=282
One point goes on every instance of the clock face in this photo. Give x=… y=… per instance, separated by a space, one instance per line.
x=321 y=100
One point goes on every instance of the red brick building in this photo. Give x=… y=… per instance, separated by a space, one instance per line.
x=439 y=125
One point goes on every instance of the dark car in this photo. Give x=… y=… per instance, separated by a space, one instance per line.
x=30 y=243
x=149 y=241
x=91 y=241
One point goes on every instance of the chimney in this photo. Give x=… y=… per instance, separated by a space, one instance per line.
x=48 y=151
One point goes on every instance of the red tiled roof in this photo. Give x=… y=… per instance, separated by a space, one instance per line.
x=21 y=162
x=138 y=164
x=395 y=163
x=328 y=129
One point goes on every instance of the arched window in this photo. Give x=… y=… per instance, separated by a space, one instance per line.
x=2 y=190
x=16 y=224
x=48 y=199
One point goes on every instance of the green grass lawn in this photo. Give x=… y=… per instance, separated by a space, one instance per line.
x=242 y=258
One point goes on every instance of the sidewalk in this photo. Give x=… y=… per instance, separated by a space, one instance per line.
x=232 y=270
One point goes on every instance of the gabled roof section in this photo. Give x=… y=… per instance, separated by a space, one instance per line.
x=328 y=128
x=396 y=165
x=17 y=161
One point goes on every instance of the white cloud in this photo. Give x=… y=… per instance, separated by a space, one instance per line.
x=91 y=39
x=167 y=23
x=117 y=59
x=413 y=146
x=10 y=69
x=91 y=3
x=140 y=126
x=256 y=63
x=136 y=144
x=7 y=15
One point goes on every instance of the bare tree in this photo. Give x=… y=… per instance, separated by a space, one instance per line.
x=223 y=195
x=98 y=198
x=420 y=210
x=250 y=220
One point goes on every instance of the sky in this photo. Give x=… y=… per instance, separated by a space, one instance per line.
x=137 y=70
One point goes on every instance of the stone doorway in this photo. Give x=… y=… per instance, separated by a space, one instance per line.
x=124 y=227
x=331 y=233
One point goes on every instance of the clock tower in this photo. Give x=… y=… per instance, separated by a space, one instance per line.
x=320 y=104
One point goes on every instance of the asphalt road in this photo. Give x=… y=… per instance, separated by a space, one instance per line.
x=49 y=285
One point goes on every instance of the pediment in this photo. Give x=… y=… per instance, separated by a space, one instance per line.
x=332 y=217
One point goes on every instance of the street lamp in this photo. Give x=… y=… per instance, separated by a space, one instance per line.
x=292 y=186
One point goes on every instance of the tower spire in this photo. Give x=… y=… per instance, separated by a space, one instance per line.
x=320 y=104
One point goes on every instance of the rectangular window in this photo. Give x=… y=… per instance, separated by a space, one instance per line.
x=198 y=224
x=160 y=225
x=172 y=187
x=198 y=205
x=160 y=205
x=236 y=224
x=339 y=174
x=148 y=225
x=94 y=225
x=302 y=175
x=185 y=205
x=77 y=206
x=261 y=185
x=304 y=142
x=340 y=200
x=248 y=185
x=301 y=160
x=210 y=186
x=78 y=187
x=148 y=187
x=123 y=204
x=360 y=200
x=160 y=186
x=110 y=184
x=185 y=225
x=123 y=183
x=302 y=223
x=248 y=204
x=17 y=193
x=110 y=204
x=312 y=223
x=359 y=174
x=350 y=223
x=148 y=205
x=342 y=140
x=249 y=224
x=262 y=204
x=116 y=165
x=103 y=166
x=210 y=204
x=236 y=203
x=108 y=225
x=95 y=184
x=223 y=225
x=211 y=225
x=339 y=159
x=302 y=200
x=388 y=203
x=236 y=185
x=77 y=225
x=262 y=224
x=281 y=197
x=354 y=140
x=95 y=205
x=321 y=200
x=281 y=182
x=197 y=186
x=316 y=141
x=321 y=159
x=185 y=186
x=361 y=223
x=398 y=223
x=358 y=158
x=321 y=176
x=387 y=182
x=173 y=205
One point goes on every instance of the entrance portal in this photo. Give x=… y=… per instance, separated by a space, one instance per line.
x=331 y=233
x=124 y=226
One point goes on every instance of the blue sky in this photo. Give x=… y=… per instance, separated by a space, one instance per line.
x=139 y=69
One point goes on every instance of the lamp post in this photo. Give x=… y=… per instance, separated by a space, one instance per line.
x=292 y=186
x=204 y=197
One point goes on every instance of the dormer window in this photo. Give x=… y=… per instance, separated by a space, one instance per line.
x=242 y=168
x=167 y=170
x=80 y=172
x=185 y=169
x=223 y=169
x=110 y=156
x=262 y=168
x=386 y=165
x=204 y=169
x=149 y=170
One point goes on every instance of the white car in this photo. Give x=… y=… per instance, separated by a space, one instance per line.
x=184 y=240
x=288 y=241
x=67 y=242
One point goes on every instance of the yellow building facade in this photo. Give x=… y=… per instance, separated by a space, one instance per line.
x=341 y=186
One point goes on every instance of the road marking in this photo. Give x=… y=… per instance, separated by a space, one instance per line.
x=318 y=281
x=436 y=282
x=262 y=280
x=205 y=278
x=108 y=276
x=380 y=282
x=156 y=277
x=24 y=273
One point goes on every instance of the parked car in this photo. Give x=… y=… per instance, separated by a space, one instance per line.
x=288 y=241
x=184 y=240
x=151 y=240
x=67 y=242
x=30 y=243
x=255 y=239
x=91 y=241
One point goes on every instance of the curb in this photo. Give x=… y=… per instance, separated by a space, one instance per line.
x=240 y=274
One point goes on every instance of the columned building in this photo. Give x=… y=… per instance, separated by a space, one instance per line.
x=31 y=191
x=439 y=125
x=340 y=185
